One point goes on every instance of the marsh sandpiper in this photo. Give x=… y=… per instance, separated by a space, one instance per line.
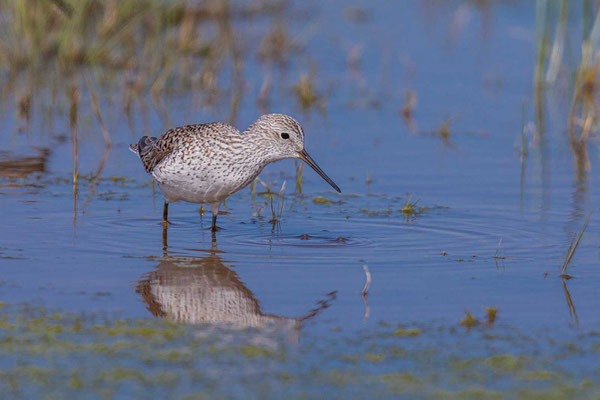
x=206 y=163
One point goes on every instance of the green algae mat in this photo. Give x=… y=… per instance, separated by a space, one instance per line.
x=47 y=354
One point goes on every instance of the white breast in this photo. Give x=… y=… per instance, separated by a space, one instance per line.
x=197 y=179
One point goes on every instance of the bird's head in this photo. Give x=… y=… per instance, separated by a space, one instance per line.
x=282 y=137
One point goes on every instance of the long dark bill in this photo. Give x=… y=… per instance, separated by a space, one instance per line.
x=307 y=159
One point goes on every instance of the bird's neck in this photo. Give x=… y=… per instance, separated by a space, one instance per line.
x=259 y=145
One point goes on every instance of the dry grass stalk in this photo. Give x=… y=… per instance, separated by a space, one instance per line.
x=496 y=256
x=572 y=248
x=73 y=111
x=299 y=176
x=96 y=108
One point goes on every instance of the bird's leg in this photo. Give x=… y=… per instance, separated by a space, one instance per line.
x=215 y=211
x=164 y=237
x=165 y=214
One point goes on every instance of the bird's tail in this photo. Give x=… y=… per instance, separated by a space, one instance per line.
x=138 y=147
x=134 y=148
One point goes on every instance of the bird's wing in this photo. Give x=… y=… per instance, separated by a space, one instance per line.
x=153 y=150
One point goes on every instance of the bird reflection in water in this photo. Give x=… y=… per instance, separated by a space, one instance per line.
x=203 y=290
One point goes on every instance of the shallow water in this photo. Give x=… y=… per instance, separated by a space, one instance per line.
x=112 y=257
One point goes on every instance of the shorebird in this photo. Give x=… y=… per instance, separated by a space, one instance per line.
x=206 y=163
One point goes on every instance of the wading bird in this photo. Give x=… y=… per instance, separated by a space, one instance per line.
x=206 y=163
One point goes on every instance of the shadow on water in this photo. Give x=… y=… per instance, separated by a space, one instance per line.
x=205 y=290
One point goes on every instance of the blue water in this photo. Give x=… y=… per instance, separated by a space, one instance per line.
x=428 y=268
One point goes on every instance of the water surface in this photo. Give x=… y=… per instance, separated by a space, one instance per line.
x=494 y=229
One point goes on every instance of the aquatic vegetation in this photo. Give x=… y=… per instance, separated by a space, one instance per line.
x=444 y=133
x=268 y=186
x=491 y=314
x=253 y=186
x=371 y=213
x=407 y=111
x=112 y=51
x=407 y=332
x=469 y=321
x=276 y=45
x=541 y=375
x=277 y=210
x=253 y=351
x=572 y=248
x=321 y=200
x=299 y=175
x=138 y=66
x=496 y=255
x=583 y=117
x=411 y=209
x=324 y=200
x=148 y=355
x=506 y=362
x=306 y=93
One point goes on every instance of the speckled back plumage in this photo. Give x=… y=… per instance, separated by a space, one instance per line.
x=153 y=150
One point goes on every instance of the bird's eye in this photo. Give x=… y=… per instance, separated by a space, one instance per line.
x=285 y=135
